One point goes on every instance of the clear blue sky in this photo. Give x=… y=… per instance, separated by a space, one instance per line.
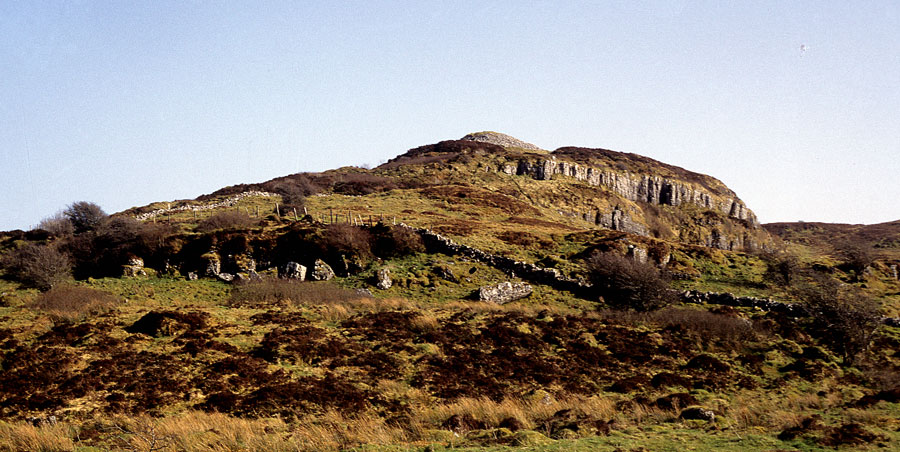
x=125 y=103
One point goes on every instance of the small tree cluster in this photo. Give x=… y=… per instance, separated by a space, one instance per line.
x=103 y=251
x=627 y=283
x=845 y=319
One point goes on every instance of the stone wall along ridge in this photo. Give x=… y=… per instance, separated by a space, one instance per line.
x=228 y=202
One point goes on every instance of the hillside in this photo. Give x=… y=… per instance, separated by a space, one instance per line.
x=473 y=294
x=882 y=238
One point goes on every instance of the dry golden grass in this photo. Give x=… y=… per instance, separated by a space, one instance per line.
x=330 y=431
x=426 y=322
x=21 y=437
x=529 y=411
x=749 y=410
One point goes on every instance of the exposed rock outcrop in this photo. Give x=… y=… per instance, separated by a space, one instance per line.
x=292 y=270
x=322 y=271
x=504 y=292
x=213 y=265
x=134 y=268
x=383 y=279
x=698 y=413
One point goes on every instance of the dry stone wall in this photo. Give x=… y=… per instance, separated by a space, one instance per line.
x=196 y=208
x=554 y=278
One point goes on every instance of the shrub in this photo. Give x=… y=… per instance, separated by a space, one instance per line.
x=39 y=266
x=345 y=239
x=629 y=284
x=85 y=216
x=856 y=258
x=780 y=268
x=845 y=320
x=57 y=225
x=73 y=302
x=359 y=184
x=294 y=190
x=225 y=220
x=396 y=241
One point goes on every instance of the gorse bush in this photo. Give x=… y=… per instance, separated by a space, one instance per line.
x=294 y=190
x=627 y=283
x=73 y=302
x=38 y=266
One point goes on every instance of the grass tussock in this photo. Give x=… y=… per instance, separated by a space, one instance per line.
x=22 y=436
x=74 y=302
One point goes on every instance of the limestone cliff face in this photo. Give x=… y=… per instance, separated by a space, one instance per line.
x=635 y=187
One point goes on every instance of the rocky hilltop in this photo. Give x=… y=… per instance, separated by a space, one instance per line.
x=500 y=139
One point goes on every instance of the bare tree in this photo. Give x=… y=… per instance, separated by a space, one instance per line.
x=57 y=224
